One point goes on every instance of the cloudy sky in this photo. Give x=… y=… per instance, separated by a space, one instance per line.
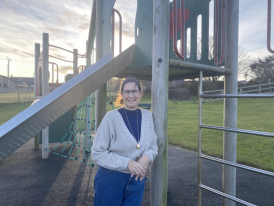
x=22 y=23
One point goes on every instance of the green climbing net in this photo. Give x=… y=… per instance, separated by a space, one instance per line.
x=76 y=143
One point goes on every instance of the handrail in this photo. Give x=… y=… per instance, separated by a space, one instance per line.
x=120 y=29
x=83 y=68
x=269 y=27
x=264 y=95
x=182 y=15
x=82 y=55
x=61 y=59
x=53 y=75
x=216 y=33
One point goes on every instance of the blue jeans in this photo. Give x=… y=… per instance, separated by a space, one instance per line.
x=113 y=188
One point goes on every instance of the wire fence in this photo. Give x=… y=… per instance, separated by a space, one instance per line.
x=17 y=96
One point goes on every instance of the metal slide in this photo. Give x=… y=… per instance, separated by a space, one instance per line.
x=38 y=116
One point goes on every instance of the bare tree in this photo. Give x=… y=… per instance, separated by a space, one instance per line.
x=243 y=58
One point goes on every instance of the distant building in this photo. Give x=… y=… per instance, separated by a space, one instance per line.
x=23 y=81
x=4 y=82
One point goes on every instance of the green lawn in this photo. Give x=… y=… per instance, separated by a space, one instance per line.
x=13 y=97
x=253 y=114
x=7 y=111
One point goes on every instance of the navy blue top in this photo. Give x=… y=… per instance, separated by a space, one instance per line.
x=132 y=119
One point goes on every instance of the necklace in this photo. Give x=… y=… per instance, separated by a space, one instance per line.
x=137 y=140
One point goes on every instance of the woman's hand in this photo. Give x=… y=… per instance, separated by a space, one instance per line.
x=136 y=169
x=144 y=161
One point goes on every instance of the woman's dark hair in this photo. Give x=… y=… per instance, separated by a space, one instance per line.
x=130 y=80
x=119 y=99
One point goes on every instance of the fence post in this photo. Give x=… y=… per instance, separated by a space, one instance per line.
x=241 y=90
x=260 y=89
x=18 y=93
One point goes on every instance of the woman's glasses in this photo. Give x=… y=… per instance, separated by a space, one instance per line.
x=134 y=92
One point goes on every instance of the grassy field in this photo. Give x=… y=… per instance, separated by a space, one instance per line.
x=13 y=97
x=253 y=114
x=7 y=111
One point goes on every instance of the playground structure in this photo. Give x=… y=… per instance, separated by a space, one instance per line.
x=154 y=56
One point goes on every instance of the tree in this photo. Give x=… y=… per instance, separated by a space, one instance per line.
x=262 y=70
x=243 y=58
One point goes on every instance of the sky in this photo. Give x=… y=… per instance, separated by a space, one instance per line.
x=22 y=23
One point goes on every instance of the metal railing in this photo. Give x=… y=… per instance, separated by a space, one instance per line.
x=182 y=17
x=222 y=161
x=269 y=27
x=113 y=29
x=216 y=33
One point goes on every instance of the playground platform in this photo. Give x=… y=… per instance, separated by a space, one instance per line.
x=28 y=180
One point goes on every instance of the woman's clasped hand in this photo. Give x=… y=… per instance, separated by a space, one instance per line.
x=139 y=168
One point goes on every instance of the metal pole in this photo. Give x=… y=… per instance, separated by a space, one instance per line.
x=18 y=93
x=113 y=30
x=101 y=93
x=75 y=72
x=75 y=62
x=200 y=139
x=160 y=68
x=36 y=60
x=52 y=78
x=45 y=91
x=230 y=104
x=8 y=76
x=8 y=73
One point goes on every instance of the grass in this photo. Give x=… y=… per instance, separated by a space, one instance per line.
x=7 y=111
x=13 y=97
x=253 y=114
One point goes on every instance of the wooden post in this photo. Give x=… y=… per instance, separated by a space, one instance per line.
x=160 y=68
x=36 y=60
x=101 y=93
x=88 y=109
x=45 y=91
x=74 y=109
x=230 y=104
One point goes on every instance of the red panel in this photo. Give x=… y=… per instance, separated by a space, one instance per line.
x=179 y=25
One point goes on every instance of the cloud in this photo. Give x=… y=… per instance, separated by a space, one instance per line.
x=22 y=23
x=52 y=30
x=64 y=69
x=84 y=26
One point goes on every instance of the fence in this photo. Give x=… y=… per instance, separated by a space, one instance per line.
x=260 y=88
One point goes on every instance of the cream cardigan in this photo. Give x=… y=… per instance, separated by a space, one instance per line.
x=114 y=145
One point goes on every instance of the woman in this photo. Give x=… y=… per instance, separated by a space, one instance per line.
x=124 y=146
